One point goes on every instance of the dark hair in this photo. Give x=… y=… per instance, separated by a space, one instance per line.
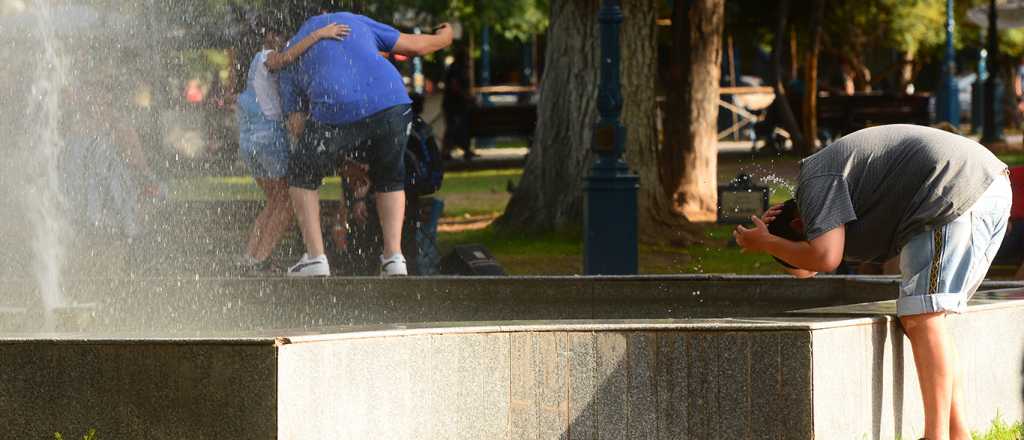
x=782 y=226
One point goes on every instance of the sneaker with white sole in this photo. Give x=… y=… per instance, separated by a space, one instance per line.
x=393 y=267
x=310 y=267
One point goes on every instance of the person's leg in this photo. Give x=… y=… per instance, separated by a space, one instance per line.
x=279 y=216
x=306 y=204
x=930 y=342
x=391 y=209
x=260 y=225
x=958 y=429
x=387 y=172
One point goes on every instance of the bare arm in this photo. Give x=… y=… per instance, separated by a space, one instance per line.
x=823 y=254
x=414 y=45
x=278 y=60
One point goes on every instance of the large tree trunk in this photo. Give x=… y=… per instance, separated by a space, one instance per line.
x=810 y=112
x=658 y=221
x=550 y=193
x=781 y=103
x=688 y=163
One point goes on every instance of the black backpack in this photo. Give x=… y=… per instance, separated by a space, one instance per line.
x=424 y=166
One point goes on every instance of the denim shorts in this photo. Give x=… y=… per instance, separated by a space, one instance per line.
x=943 y=267
x=378 y=140
x=262 y=145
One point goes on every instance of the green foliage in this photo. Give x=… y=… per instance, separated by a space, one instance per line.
x=904 y=25
x=1000 y=430
x=514 y=19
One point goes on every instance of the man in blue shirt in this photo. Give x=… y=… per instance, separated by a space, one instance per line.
x=357 y=103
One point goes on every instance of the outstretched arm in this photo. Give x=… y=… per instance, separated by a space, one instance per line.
x=278 y=60
x=415 y=45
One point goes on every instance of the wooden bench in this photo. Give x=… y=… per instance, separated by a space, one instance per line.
x=503 y=120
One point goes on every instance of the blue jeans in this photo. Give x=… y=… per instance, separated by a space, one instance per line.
x=262 y=144
x=943 y=267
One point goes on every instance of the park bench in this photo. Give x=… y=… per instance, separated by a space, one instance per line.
x=842 y=114
x=504 y=120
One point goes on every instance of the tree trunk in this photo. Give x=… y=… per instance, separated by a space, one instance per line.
x=658 y=221
x=781 y=102
x=550 y=193
x=906 y=70
x=688 y=163
x=810 y=112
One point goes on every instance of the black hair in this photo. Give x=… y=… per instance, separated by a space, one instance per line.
x=782 y=226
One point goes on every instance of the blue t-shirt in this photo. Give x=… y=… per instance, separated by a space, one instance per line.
x=344 y=81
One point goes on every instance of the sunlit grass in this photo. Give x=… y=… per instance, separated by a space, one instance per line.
x=466 y=192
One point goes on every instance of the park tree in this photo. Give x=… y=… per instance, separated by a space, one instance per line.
x=687 y=166
x=678 y=180
x=854 y=30
x=550 y=193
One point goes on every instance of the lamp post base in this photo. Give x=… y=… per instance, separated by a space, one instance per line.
x=610 y=221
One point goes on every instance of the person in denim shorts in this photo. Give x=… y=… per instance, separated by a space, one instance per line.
x=357 y=102
x=937 y=200
x=263 y=141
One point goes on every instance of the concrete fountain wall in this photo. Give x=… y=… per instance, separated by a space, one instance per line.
x=842 y=371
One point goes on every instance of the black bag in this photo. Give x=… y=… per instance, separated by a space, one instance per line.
x=424 y=164
x=471 y=259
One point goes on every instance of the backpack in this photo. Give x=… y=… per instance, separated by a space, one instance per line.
x=424 y=166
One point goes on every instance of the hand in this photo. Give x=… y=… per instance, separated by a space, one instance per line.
x=333 y=31
x=445 y=30
x=755 y=239
x=771 y=213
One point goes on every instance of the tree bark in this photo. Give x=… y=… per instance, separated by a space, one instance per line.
x=657 y=219
x=781 y=102
x=550 y=193
x=688 y=162
x=810 y=112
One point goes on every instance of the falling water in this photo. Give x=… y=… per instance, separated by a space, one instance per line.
x=775 y=180
x=42 y=199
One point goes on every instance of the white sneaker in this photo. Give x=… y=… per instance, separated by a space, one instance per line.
x=310 y=267
x=393 y=267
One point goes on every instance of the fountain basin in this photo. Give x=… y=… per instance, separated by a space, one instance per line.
x=826 y=371
x=197 y=307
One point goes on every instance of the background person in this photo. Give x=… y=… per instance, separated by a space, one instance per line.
x=456 y=104
x=263 y=143
x=357 y=102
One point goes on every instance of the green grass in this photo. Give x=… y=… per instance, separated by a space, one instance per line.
x=561 y=253
x=1000 y=430
x=469 y=192
x=1012 y=159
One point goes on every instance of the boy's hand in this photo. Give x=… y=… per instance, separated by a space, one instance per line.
x=445 y=30
x=333 y=31
x=753 y=240
x=770 y=215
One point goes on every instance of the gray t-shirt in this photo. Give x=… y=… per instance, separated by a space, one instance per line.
x=890 y=182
